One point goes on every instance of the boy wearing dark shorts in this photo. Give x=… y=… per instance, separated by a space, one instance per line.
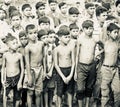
x=64 y=64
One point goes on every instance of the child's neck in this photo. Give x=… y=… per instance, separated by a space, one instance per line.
x=73 y=38
x=62 y=44
x=16 y=28
x=32 y=41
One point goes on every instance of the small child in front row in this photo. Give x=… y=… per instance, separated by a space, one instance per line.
x=14 y=69
x=64 y=64
x=49 y=82
x=24 y=41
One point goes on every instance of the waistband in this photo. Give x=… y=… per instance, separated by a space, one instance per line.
x=110 y=66
x=86 y=64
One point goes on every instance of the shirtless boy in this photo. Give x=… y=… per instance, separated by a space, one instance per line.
x=64 y=64
x=13 y=68
x=35 y=64
x=109 y=70
x=85 y=67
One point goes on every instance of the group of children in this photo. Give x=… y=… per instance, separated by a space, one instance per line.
x=60 y=51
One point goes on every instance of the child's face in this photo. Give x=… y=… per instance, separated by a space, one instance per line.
x=13 y=44
x=27 y=12
x=32 y=34
x=24 y=40
x=88 y=31
x=15 y=21
x=51 y=38
x=114 y=34
x=65 y=39
x=74 y=17
x=64 y=9
x=102 y=17
x=41 y=10
x=53 y=6
x=118 y=8
x=2 y=15
x=74 y=33
x=45 y=26
x=91 y=10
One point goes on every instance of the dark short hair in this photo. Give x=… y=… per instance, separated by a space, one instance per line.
x=87 y=5
x=43 y=20
x=26 y=6
x=112 y=27
x=39 y=4
x=51 y=32
x=110 y=17
x=9 y=38
x=22 y=34
x=52 y=1
x=87 y=24
x=61 y=4
x=73 y=26
x=117 y=3
x=106 y=5
x=73 y=10
x=63 y=30
x=100 y=10
x=41 y=33
x=15 y=13
x=29 y=27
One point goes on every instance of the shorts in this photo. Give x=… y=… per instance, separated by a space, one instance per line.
x=61 y=86
x=49 y=83
x=12 y=84
x=37 y=76
x=86 y=79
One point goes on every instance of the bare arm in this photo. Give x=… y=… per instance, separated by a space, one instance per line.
x=56 y=64
x=27 y=60
x=3 y=71
x=73 y=62
x=22 y=69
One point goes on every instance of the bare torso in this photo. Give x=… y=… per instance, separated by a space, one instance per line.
x=87 y=50
x=12 y=64
x=111 y=53
x=36 y=54
x=64 y=56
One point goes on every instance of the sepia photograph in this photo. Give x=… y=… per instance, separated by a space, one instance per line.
x=59 y=53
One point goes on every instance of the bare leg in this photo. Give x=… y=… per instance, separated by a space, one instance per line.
x=17 y=104
x=38 y=98
x=46 y=99
x=87 y=102
x=69 y=99
x=59 y=101
x=29 y=98
x=80 y=103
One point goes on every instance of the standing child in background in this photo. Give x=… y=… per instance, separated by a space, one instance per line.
x=35 y=65
x=13 y=68
x=64 y=64
x=49 y=82
x=24 y=41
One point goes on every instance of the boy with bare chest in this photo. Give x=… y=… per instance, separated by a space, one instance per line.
x=64 y=64
x=109 y=69
x=12 y=70
x=34 y=56
x=85 y=67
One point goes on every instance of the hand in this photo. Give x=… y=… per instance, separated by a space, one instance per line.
x=75 y=76
x=4 y=84
x=30 y=81
x=19 y=86
x=68 y=79
x=65 y=80
x=49 y=75
x=44 y=76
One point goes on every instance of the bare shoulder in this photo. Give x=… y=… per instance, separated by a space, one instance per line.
x=57 y=48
